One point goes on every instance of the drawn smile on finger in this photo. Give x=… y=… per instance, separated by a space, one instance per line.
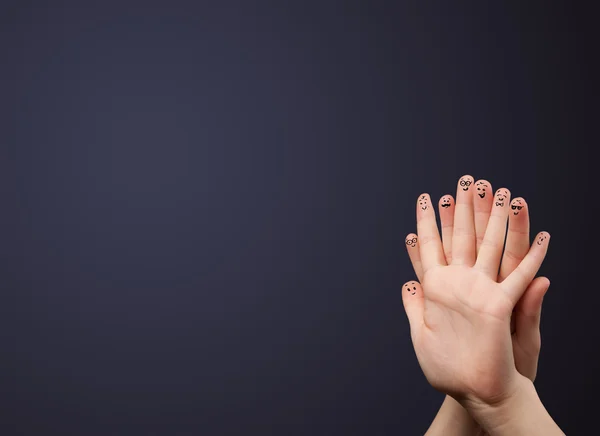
x=501 y=196
x=541 y=238
x=465 y=182
x=481 y=189
x=516 y=206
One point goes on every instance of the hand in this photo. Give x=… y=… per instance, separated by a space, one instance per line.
x=460 y=318
x=525 y=325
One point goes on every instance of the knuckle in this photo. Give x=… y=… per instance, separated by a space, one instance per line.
x=511 y=255
x=426 y=240
x=486 y=242
x=463 y=231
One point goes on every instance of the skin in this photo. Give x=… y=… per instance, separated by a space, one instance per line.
x=411 y=241
x=483 y=188
x=460 y=317
x=447 y=221
x=526 y=339
x=517 y=205
x=482 y=206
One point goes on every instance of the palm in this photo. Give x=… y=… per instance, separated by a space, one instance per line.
x=464 y=344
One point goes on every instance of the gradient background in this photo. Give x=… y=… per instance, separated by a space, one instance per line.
x=204 y=205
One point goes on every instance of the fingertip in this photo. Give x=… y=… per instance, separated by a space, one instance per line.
x=465 y=182
x=411 y=288
x=446 y=201
x=545 y=286
x=423 y=195
x=411 y=240
x=542 y=238
x=482 y=188
x=423 y=202
x=540 y=285
x=501 y=197
x=518 y=207
x=503 y=191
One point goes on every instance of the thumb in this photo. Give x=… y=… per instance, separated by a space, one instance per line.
x=414 y=303
x=528 y=313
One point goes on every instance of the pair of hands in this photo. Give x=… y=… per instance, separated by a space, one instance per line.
x=471 y=287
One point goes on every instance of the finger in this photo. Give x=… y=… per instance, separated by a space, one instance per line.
x=517 y=281
x=463 y=233
x=430 y=245
x=447 y=221
x=414 y=303
x=482 y=205
x=527 y=340
x=528 y=311
x=412 y=246
x=517 y=238
x=530 y=304
x=490 y=252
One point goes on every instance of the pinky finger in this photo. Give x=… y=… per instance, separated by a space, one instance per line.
x=414 y=304
x=412 y=246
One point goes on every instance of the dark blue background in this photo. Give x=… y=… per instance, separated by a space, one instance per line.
x=204 y=204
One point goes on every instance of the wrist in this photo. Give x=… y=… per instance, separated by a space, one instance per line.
x=495 y=413
x=520 y=411
x=453 y=420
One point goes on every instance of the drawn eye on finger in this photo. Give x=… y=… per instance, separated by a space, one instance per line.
x=411 y=242
x=541 y=238
x=516 y=206
x=481 y=188
x=465 y=182
x=411 y=288
x=500 y=198
x=446 y=202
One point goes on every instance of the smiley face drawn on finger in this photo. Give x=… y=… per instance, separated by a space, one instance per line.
x=482 y=188
x=446 y=202
x=411 y=242
x=501 y=196
x=423 y=202
x=465 y=182
x=516 y=206
x=541 y=238
x=411 y=288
